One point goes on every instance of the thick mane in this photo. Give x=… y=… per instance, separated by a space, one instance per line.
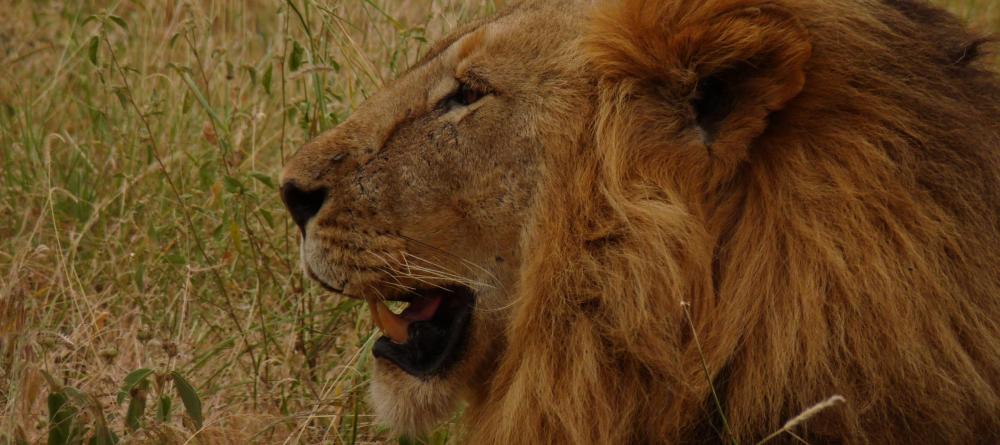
x=850 y=246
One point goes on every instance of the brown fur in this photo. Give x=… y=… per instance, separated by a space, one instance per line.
x=834 y=224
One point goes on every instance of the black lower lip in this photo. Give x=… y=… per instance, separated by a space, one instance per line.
x=322 y=283
x=435 y=345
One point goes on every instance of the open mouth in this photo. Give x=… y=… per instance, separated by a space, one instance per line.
x=427 y=337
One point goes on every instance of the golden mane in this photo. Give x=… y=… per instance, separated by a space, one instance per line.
x=840 y=236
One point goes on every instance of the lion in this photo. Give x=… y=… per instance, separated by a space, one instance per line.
x=638 y=221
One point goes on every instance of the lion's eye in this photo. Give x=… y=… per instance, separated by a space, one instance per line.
x=463 y=97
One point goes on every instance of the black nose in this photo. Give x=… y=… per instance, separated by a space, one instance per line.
x=302 y=204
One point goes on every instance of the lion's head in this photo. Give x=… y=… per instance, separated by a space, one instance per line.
x=423 y=195
x=546 y=187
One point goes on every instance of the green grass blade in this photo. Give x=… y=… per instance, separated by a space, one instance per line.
x=192 y=403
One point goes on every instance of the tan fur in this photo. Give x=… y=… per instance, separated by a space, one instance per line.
x=835 y=231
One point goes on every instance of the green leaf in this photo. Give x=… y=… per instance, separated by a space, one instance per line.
x=9 y=110
x=135 y=377
x=131 y=380
x=76 y=395
x=267 y=78
x=119 y=21
x=62 y=419
x=218 y=231
x=295 y=61
x=122 y=98
x=136 y=405
x=252 y=72
x=103 y=436
x=175 y=258
x=266 y=214
x=92 y=47
x=232 y=184
x=263 y=179
x=163 y=408
x=173 y=39
x=192 y=403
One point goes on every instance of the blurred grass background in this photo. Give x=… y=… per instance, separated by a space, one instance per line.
x=140 y=227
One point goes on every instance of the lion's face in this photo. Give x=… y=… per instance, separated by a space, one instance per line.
x=422 y=196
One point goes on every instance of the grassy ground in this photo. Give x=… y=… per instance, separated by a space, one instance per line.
x=140 y=227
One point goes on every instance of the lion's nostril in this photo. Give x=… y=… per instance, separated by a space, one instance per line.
x=302 y=204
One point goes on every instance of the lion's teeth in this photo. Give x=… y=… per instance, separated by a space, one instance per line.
x=389 y=323
x=373 y=308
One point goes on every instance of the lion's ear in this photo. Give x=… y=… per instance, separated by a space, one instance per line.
x=728 y=63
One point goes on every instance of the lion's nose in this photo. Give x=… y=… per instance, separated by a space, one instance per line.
x=302 y=204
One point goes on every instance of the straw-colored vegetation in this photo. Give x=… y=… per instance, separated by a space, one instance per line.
x=140 y=227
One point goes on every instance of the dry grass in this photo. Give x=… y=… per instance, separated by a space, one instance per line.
x=139 y=222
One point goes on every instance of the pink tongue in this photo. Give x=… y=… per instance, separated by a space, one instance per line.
x=421 y=309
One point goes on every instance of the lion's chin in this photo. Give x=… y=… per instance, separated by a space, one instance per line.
x=409 y=405
x=417 y=377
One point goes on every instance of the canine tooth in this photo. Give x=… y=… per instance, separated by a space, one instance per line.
x=374 y=311
x=394 y=327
